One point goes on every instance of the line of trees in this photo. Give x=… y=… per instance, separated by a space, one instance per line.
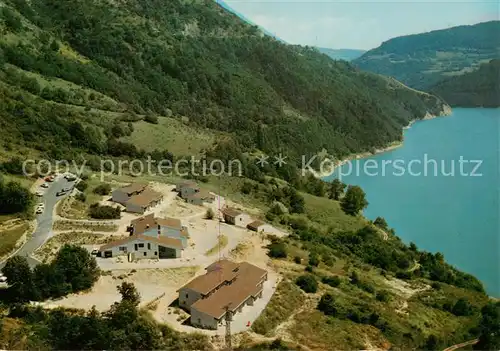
x=72 y=270
x=14 y=198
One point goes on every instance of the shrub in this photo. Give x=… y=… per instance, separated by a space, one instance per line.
x=102 y=189
x=383 y=296
x=462 y=308
x=332 y=281
x=327 y=305
x=313 y=260
x=151 y=118
x=277 y=249
x=246 y=188
x=82 y=186
x=81 y=197
x=308 y=283
x=104 y=212
x=209 y=214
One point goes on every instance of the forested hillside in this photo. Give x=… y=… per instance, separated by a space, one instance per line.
x=479 y=88
x=79 y=75
x=423 y=60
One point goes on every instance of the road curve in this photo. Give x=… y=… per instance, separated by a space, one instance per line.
x=44 y=221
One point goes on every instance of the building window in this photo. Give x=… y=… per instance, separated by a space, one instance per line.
x=144 y=253
x=123 y=248
x=156 y=253
x=149 y=246
x=141 y=245
x=187 y=295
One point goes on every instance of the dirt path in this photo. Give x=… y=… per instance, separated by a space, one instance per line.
x=463 y=344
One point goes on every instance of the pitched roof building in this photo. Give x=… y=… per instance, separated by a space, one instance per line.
x=226 y=287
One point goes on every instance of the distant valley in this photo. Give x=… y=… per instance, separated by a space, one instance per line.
x=342 y=54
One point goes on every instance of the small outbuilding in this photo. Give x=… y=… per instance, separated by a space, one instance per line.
x=234 y=216
x=260 y=227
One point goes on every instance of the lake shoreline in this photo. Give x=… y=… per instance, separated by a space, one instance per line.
x=392 y=146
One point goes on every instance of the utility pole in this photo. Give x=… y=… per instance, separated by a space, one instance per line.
x=229 y=318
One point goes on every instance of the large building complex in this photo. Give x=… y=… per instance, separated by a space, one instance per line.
x=226 y=287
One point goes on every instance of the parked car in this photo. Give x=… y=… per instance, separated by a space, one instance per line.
x=70 y=177
x=3 y=279
x=40 y=208
x=95 y=252
x=39 y=193
x=61 y=193
x=50 y=179
x=45 y=185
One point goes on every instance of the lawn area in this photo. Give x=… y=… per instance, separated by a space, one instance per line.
x=62 y=226
x=285 y=301
x=10 y=236
x=172 y=135
x=72 y=208
x=328 y=213
x=47 y=251
x=318 y=332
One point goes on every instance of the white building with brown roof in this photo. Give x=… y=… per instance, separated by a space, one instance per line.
x=200 y=197
x=140 y=246
x=234 y=216
x=260 y=227
x=123 y=194
x=165 y=227
x=226 y=288
x=144 y=201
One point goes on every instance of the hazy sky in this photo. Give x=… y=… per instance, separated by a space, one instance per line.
x=359 y=24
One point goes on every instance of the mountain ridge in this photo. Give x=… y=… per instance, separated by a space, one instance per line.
x=207 y=67
x=422 y=60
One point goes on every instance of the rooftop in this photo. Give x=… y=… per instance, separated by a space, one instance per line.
x=142 y=224
x=202 y=194
x=255 y=224
x=231 y=212
x=145 y=198
x=243 y=279
x=133 y=188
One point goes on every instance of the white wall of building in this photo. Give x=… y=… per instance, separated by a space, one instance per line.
x=187 y=297
x=144 y=249
x=202 y=320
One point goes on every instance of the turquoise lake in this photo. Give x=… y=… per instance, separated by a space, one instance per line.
x=453 y=211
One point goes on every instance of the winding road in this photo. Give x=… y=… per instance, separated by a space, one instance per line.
x=44 y=221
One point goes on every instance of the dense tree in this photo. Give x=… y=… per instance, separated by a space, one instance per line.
x=489 y=327
x=327 y=304
x=129 y=293
x=336 y=189
x=78 y=267
x=14 y=198
x=308 y=283
x=381 y=223
x=102 y=189
x=354 y=200
x=462 y=308
x=20 y=278
x=277 y=249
